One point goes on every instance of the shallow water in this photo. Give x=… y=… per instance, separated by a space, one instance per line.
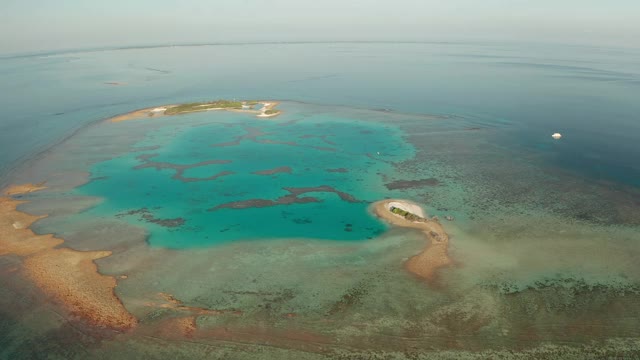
x=338 y=163
x=544 y=240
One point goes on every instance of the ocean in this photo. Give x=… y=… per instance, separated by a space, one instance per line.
x=267 y=222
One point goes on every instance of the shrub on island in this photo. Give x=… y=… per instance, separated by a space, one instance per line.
x=203 y=106
x=405 y=214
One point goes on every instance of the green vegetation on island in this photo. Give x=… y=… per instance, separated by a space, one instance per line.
x=204 y=106
x=245 y=106
x=405 y=214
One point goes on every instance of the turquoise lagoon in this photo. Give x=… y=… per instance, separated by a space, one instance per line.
x=180 y=180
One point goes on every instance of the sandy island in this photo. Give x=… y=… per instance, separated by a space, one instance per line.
x=267 y=111
x=435 y=255
x=68 y=276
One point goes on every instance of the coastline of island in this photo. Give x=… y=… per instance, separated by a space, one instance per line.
x=407 y=214
x=268 y=109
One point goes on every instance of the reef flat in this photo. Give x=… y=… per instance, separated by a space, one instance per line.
x=70 y=277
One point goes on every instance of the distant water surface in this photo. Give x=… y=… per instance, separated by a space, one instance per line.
x=588 y=94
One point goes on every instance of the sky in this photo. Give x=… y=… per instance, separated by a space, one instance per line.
x=41 y=25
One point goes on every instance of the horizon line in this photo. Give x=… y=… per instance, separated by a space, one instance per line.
x=83 y=50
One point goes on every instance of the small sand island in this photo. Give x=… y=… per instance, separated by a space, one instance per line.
x=407 y=214
x=266 y=110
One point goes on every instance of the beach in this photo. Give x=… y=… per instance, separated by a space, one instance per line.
x=435 y=255
x=268 y=109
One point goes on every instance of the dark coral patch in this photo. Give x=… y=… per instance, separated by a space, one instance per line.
x=180 y=169
x=292 y=198
x=409 y=184
x=146 y=215
x=281 y=169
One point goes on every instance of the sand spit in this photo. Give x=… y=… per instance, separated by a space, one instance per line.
x=23 y=189
x=268 y=106
x=435 y=255
x=139 y=114
x=68 y=276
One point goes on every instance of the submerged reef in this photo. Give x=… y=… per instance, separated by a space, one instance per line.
x=278 y=170
x=292 y=198
x=180 y=169
x=147 y=215
x=410 y=184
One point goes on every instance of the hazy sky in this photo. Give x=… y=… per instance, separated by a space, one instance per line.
x=31 y=25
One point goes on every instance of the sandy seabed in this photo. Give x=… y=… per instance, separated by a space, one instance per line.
x=68 y=276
